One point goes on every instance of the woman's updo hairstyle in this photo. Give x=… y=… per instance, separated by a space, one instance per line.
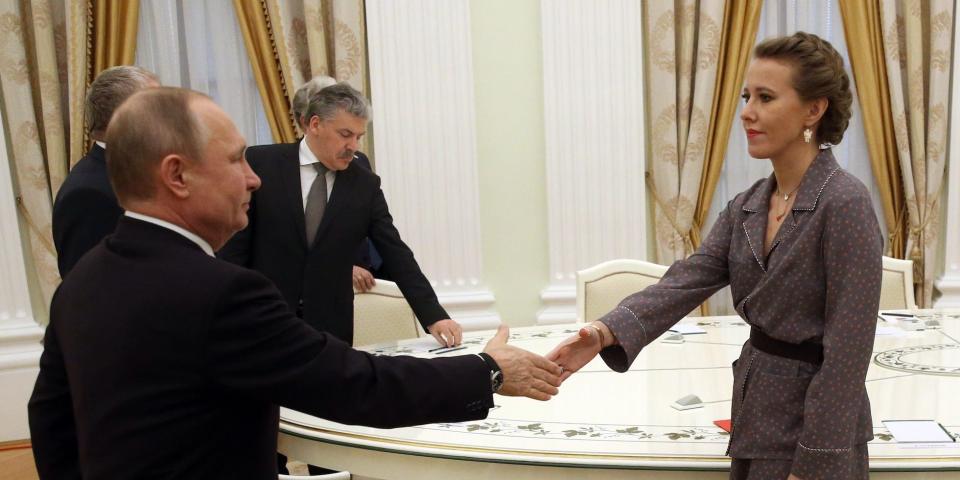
x=817 y=73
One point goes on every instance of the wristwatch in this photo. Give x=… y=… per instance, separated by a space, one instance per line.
x=496 y=375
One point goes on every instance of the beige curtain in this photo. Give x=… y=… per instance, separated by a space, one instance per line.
x=32 y=61
x=684 y=46
x=740 y=23
x=260 y=35
x=864 y=34
x=698 y=53
x=917 y=42
x=114 y=33
x=80 y=26
x=322 y=37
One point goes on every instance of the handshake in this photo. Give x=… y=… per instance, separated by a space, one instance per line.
x=527 y=374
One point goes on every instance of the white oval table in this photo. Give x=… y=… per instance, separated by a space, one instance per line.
x=605 y=425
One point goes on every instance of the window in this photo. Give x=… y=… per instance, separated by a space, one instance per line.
x=198 y=45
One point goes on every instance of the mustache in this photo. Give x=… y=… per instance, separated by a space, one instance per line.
x=346 y=154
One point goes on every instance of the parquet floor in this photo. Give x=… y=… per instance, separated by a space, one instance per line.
x=16 y=461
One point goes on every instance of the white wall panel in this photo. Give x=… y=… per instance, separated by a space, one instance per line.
x=421 y=80
x=595 y=146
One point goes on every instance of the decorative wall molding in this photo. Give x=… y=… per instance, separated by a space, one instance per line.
x=473 y=309
x=421 y=82
x=595 y=141
x=949 y=283
x=559 y=302
x=20 y=335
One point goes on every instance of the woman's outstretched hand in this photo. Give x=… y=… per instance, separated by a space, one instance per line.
x=575 y=352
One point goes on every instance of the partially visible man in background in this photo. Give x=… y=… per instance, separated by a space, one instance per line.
x=86 y=208
x=368 y=264
x=315 y=208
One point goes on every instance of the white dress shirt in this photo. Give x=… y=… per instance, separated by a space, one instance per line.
x=193 y=237
x=308 y=172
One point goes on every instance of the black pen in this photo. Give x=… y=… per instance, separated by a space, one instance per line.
x=946 y=431
x=907 y=315
x=448 y=350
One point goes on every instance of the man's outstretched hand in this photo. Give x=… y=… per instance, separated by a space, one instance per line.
x=525 y=374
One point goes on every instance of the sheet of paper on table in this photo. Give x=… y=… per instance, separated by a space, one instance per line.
x=919 y=432
x=424 y=343
x=687 y=329
x=890 y=331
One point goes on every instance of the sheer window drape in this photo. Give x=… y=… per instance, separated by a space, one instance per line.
x=783 y=17
x=198 y=45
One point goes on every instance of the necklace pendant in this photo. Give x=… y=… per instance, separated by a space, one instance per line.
x=786 y=197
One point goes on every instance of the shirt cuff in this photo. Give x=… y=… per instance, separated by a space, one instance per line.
x=631 y=337
x=821 y=463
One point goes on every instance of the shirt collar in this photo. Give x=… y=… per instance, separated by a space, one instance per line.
x=306 y=155
x=193 y=237
x=102 y=145
x=814 y=180
x=308 y=158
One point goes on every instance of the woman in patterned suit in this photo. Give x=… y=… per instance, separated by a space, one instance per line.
x=801 y=251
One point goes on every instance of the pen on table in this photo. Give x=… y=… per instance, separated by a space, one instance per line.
x=946 y=431
x=438 y=351
x=906 y=315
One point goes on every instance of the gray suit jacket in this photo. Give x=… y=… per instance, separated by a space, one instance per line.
x=820 y=283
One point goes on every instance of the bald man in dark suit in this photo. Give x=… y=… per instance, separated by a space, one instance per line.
x=161 y=361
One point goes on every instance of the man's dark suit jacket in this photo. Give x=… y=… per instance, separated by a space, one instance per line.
x=163 y=362
x=275 y=244
x=367 y=255
x=85 y=210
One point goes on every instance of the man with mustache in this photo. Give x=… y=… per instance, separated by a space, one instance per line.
x=367 y=264
x=315 y=208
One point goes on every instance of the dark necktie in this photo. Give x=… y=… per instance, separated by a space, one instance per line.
x=316 y=203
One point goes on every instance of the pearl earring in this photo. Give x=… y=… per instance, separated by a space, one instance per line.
x=807 y=135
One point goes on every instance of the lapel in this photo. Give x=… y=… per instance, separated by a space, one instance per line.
x=343 y=188
x=814 y=181
x=290 y=178
x=755 y=224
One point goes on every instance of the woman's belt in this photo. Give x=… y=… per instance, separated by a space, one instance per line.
x=807 y=351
